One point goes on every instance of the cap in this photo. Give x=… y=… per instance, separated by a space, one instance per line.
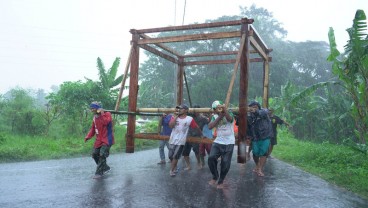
x=182 y=106
x=95 y=105
x=216 y=103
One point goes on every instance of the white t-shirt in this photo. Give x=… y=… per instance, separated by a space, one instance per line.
x=225 y=131
x=179 y=133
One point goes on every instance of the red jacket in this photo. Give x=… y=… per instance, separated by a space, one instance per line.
x=103 y=129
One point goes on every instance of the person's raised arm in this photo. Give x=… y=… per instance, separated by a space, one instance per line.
x=226 y=113
x=173 y=121
x=214 y=123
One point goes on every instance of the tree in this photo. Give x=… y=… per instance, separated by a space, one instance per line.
x=19 y=110
x=352 y=70
x=300 y=63
x=72 y=100
x=105 y=89
x=69 y=106
x=315 y=116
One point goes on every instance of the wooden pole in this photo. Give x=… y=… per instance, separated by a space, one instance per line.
x=124 y=79
x=236 y=66
x=133 y=93
x=243 y=94
x=179 y=83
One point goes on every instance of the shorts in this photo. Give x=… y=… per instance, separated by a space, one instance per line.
x=188 y=147
x=175 y=151
x=260 y=147
x=273 y=140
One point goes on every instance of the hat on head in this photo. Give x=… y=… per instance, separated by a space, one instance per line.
x=95 y=105
x=253 y=103
x=182 y=106
x=216 y=103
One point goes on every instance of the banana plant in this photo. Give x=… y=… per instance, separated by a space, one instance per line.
x=352 y=69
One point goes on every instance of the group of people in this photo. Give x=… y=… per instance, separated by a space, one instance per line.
x=261 y=131
x=199 y=125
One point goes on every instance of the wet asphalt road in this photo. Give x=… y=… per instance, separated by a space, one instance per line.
x=137 y=181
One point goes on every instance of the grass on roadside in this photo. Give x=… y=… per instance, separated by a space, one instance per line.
x=27 y=148
x=338 y=164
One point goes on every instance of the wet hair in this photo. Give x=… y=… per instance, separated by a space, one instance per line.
x=255 y=103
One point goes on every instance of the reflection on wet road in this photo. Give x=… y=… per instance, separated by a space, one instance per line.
x=137 y=181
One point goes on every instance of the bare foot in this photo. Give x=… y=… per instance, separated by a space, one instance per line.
x=212 y=182
x=260 y=173
x=187 y=168
x=255 y=170
x=220 y=186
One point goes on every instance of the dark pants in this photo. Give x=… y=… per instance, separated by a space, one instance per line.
x=99 y=155
x=226 y=153
x=189 y=146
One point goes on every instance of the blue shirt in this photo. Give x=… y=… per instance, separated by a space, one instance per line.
x=207 y=132
x=166 y=130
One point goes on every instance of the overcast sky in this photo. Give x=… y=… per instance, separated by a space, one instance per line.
x=48 y=42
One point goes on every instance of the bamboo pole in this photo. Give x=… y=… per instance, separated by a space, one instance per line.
x=159 y=111
x=162 y=137
x=266 y=78
x=186 y=85
x=124 y=79
x=133 y=113
x=236 y=66
x=191 y=110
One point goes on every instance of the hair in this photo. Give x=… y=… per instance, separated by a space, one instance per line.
x=255 y=103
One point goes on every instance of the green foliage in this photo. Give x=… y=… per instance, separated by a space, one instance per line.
x=352 y=70
x=72 y=100
x=15 y=148
x=20 y=113
x=105 y=89
x=300 y=63
x=67 y=111
x=338 y=164
x=150 y=127
x=317 y=113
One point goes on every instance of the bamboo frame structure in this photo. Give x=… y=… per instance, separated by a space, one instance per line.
x=250 y=42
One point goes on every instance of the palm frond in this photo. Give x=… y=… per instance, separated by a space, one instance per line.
x=309 y=91
x=101 y=72
x=113 y=71
x=117 y=81
x=334 y=53
x=357 y=32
